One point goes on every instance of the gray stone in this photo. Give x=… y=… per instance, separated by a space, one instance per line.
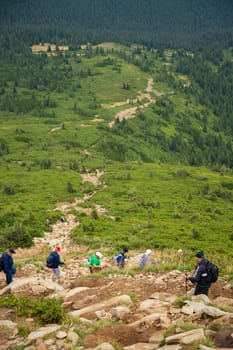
x=186 y=338
x=41 y=332
x=34 y=284
x=104 y=346
x=73 y=337
x=140 y=346
x=119 y=312
x=61 y=335
x=151 y=306
x=74 y=293
x=149 y=319
x=101 y=306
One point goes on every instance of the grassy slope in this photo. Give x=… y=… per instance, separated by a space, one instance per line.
x=155 y=205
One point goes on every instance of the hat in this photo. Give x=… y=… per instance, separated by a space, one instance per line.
x=98 y=254
x=125 y=250
x=200 y=255
x=148 y=252
x=57 y=248
x=11 y=250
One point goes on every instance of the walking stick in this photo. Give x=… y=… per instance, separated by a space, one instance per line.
x=186 y=282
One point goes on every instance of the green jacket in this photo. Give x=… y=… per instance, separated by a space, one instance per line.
x=93 y=261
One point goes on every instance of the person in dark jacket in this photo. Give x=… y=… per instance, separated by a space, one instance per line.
x=56 y=262
x=121 y=257
x=200 y=276
x=8 y=265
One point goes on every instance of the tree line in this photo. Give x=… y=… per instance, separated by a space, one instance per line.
x=171 y=23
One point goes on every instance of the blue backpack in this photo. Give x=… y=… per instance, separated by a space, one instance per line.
x=51 y=261
x=120 y=259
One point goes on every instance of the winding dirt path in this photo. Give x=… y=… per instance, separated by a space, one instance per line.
x=130 y=113
x=60 y=234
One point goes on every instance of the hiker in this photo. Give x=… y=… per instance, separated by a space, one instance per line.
x=62 y=219
x=8 y=265
x=53 y=261
x=121 y=257
x=94 y=262
x=200 y=276
x=145 y=259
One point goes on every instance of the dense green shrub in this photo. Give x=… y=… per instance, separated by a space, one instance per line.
x=44 y=310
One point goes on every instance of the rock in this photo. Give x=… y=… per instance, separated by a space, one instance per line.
x=140 y=346
x=61 y=335
x=208 y=310
x=149 y=319
x=73 y=337
x=36 y=285
x=49 y=342
x=210 y=334
x=213 y=311
x=151 y=306
x=201 y=298
x=9 y=328
x=43 y=331
x=197 y=336
x=171 y=347
x=204 y=347
x=167 y=297
x=165 y=322
x=104 y=346
x=101 y=306
x=8 y=324
x=73 y=293
x=186 y=338
x=119 y=312
x=195 y=316
x=226 y=319
x=100 y=314
x=187 y=309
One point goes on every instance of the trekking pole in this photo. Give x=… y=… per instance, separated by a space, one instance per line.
x=186 y=281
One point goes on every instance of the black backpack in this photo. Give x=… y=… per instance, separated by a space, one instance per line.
x=51 y=261
x=1 y=263
x=212 y=272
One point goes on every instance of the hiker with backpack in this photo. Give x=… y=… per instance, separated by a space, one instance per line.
x=145 y=259
x=94 y=262
x=205 y=274
x=8 y=265
x=53 y=261
x=121 y=257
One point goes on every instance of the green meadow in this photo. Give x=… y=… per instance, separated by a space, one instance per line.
x=162 y=186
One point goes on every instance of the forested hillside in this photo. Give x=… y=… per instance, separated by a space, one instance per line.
x=168 y=23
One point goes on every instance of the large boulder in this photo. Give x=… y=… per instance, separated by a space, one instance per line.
x=32 y=286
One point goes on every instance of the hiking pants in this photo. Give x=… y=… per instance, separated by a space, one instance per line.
x=202 y=289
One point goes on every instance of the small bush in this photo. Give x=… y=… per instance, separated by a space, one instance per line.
x=179 y=302
x=44 y=310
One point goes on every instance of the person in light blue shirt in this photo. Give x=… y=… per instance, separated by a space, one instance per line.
x=145 y=259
